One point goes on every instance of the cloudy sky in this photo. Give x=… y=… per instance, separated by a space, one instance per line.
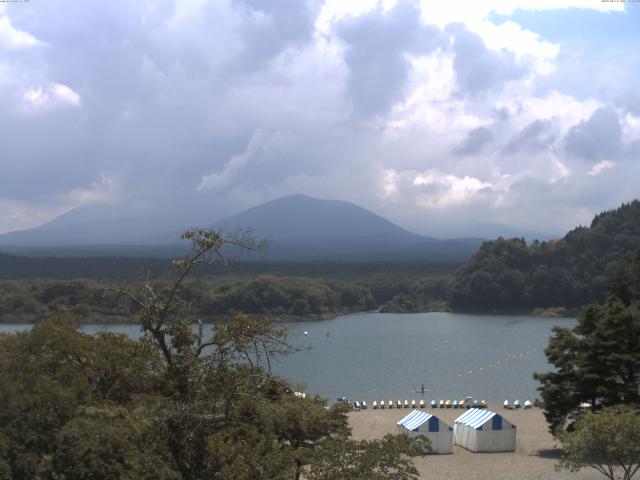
x=435 y=114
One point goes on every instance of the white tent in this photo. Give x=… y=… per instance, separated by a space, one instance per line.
x=481 y=430
x=422 y=423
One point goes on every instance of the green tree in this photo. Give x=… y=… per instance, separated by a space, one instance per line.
x=389 y=458
x=597 y=361
x=607 y=441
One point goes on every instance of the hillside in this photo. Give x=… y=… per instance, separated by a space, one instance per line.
x=570 y=272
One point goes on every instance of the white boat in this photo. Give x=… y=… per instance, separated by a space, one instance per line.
x=507 y=405
x=413 y=404
x=516 y=404
x=375 y=405
x=406 y=404
x=528 y=404
x=390 y=403
x=455 y=404
x=364 y=405
x=382 y=404
x=434 y=404
x=422 y=405
x=441 y=404
x=399 y=404
x=447 y=404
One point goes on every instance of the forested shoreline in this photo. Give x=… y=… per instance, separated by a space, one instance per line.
x=509 y=274
x=277 y=297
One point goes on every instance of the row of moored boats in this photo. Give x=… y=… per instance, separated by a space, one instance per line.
x=516 y=404
x=467 y=403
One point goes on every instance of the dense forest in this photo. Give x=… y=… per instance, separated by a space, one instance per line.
x=212 y=297
x=569 y=272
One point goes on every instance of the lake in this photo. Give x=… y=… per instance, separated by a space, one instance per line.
x=383 y=356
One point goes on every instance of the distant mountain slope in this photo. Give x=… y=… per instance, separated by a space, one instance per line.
x=298 y=228
x=100 y=225
x=570 y=272
x=303 y=228
x=300 y=216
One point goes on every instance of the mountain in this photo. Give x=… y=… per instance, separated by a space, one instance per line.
x=94 y=225
x=297 y=227
x=300 y=217
x=570 y=272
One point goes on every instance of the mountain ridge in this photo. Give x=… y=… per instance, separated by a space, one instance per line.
x=298 y=227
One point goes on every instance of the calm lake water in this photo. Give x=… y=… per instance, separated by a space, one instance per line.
x=376 y=356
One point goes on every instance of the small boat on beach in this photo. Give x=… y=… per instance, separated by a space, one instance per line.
x=382 y=404
x=455 y=404
x=441 y=404
x=364 y=405
x=391 y=404
x=447 y=404
x=375 y=405
x=413 y=404
x=406 y=404
x=516 y=404
x=507 y=405
x=528 y=404
x=433 y=404
x=422 y=405
x=399 y=403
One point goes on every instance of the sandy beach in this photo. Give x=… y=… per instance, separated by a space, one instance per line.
x=535 y=456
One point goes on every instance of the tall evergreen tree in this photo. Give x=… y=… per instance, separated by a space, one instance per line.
x=597 y=361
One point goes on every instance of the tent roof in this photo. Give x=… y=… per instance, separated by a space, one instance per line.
x=414 y=419
x=475 y=417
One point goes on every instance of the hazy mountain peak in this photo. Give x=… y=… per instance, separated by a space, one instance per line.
x=300 y=216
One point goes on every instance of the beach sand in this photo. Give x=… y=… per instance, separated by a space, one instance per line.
x=535 y=457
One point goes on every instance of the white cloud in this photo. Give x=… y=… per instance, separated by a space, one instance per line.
x=261 y=145
x=526 y=45
x=389 y=183
x=104 y=190
x=630 y=128
x=52 y=96
x=14 y=39
x=600 y=167
x=20 y=215
x=443 y=13
x=448 y=190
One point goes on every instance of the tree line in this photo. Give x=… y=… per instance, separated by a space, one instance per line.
x=281 y=297
x=569 y=272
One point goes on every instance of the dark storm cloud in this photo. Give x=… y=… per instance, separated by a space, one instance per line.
x=478 y=69
x=598 y=138
x=377 y=45
x=475 y=142
x=534 y=138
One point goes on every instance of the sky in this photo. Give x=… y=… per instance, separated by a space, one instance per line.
x=437 y=115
